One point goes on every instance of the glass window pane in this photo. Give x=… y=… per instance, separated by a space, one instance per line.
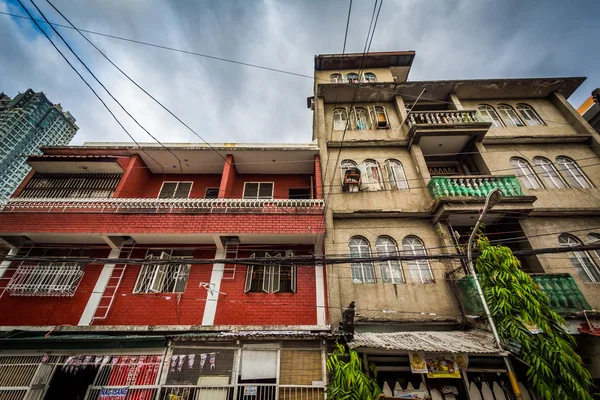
x=250 y=190
x=549 y=173
x=265 y=190
x=168 y=190
x=183 y=190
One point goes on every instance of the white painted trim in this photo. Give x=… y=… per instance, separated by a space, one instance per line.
x=176 y=187
x=320 y=293
x=258 y=191
x=90 y=308
x=212 y=297
x=5 y=264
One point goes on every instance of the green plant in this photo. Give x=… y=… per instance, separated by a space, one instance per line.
x=347 y=377
x=555 y=370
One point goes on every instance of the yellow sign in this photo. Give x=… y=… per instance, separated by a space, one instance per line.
x=442 y=367
x=417 y=362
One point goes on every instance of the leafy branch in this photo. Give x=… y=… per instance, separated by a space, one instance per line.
x=347 y=377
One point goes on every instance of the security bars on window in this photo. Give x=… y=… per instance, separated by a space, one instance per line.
x=56 y=279
x=272 y=277
x=162 y=278
x=71 y=186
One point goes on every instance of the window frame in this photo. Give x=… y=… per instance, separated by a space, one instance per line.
x=270 y=275
x=581 y=182
x=390 y=265
x=151 y=277
x=364 y=250
x=531 y=177
x=258 y=197
x=368 y=80
x=345 y=120
x=394 y=182
x=176 y=188
x=368 y=121
x=344 y=168
x=484 y=109
x=529 y=114
x=580 y=257
x=336 y=78
x=368 y=183
x=382 y=111
x=417 y=265
x=504 y=110
x=55 y=279
x=355 y=77
x=547 y=170
x=211 y=188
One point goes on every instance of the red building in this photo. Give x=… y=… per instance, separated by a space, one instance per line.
x=116 y=269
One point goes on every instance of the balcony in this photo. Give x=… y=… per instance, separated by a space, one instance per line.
x=562 y=290
x=462 y=125
x=158 y=205
x=473 y=186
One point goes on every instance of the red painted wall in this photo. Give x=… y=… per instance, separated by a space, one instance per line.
x=282 y=183
x=163 y=308
x=32 y=310
x=229 y=177
x=134 y=179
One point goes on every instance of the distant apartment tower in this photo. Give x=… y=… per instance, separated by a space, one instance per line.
x=28 y=122
x=590 y=110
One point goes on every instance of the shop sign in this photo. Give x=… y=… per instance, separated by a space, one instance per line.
x=113 y=394
x=417 y=362
x=249 y=390
x=442 y=367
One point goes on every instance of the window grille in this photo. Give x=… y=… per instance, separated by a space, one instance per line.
x=362 y=119
x=370 y=77
x=270 y=276
x=162 y=278
x=362 y=272
x=391 y=270
x=258 y=190
x=395 y=175
x=352 y=78
x=71 y=186
x=55 y=279
x=176 y=190
x=371 y=178
x=380 y=117
x=340 y=119
x=336 y=78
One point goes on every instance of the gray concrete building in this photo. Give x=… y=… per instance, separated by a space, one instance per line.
x=28 y=122
x=406 y=167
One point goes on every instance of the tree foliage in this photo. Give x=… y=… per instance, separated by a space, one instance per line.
x=555 y=370
x=347 y=378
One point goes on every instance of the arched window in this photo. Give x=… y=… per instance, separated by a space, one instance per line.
x=336 y=78
x=581 y=260
x=509 y=115
x=362 y=119
x=572 y=173
x=345 y=165
x=490 y=115
x=529 y=115
x=380 y=117
x=362 y=272
x=417 y=270
x=370 y=77
x=352 y=78
x=391 y=270
x=523 y=170
x=372 y=179
x=549 y=173
x=340 y=119
x=395 y=175
x=594 y=238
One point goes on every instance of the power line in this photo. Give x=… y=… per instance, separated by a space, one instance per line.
x=86 y=82
x=104 y=87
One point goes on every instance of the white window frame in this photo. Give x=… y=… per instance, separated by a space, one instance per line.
x=396 y=177
x=271 y=274
x=340 y=124
x=572 y=173
x=380 y=110
x=373 y=80
x=489 y=114
x=364 y=119
x=549 y=173
x=594 y=238
x=525 y=173
x=414 y=246
x=344 y=166
x=354 y=80
x=175 y=191
x=509 y=115
x=581 y=260
x=391 y=270
x=362 y=272
x=371 y=176
x=46 y=280
x=336 y=78
x=258 y=196
x=529 y=115
x=152 y=278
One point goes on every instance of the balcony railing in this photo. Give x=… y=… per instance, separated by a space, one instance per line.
x=473 y=186
x=154 y=205
x=461 y=117
x=244 y=391
x=562 y=291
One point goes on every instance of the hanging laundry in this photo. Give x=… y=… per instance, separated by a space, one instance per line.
x=212 y=357
x=67 y=362
x=191 y=358
x=202 y=361
x=105 y=360
x=45 y=358
x=181 y=361
x=87 y=360
x=97 y=360
x=173 y=363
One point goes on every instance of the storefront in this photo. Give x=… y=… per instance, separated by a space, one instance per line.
x=436 y=364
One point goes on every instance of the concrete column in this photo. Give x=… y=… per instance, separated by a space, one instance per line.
x=227 y=178
x=456 y=102
x=320 y=291
x=419 y=160
x=23 y=184
x=212 y=297
x=402 y=114
x=5 y=264
x=135 y=159
x=90 y=308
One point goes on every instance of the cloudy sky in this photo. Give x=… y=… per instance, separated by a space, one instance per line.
x=225 y=102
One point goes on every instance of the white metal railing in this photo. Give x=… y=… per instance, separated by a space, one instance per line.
x=443 y=117
x=243 y=392
x=55 y=279
x=163 y=205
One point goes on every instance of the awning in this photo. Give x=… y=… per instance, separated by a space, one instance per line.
x=428 y=341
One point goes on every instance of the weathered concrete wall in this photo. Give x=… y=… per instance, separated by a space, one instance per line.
x=543 y=232
x=401 y=302
x=382 y=74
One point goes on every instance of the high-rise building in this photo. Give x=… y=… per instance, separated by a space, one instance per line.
x=590 y=110
x=28 y=122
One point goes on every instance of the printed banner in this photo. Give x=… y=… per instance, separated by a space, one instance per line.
x=113 y=394
x=417 y=362
x=442 y=367
x=250 y=390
